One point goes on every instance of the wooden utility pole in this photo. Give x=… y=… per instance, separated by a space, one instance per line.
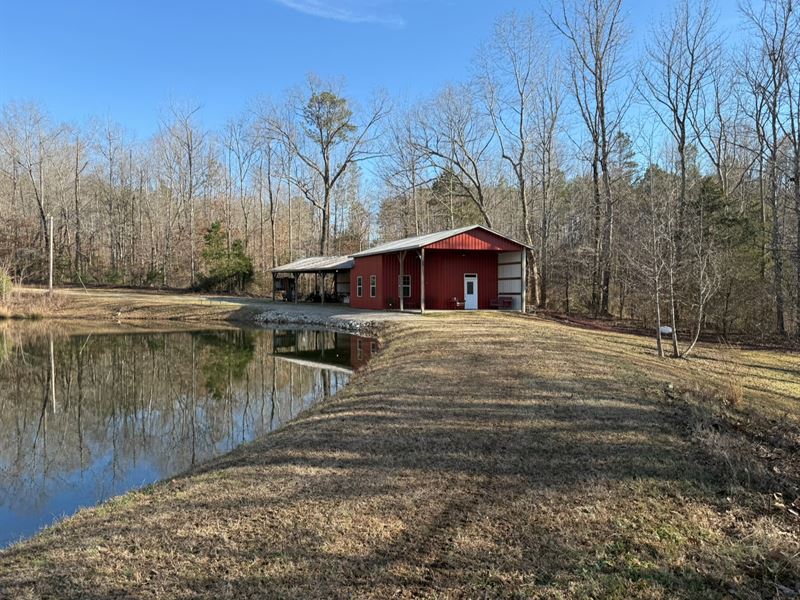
x=50 y=252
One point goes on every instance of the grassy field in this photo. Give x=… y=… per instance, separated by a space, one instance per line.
x=480 y=456
x=127 y=305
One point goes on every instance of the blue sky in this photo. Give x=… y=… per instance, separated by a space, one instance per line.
x=125 y=60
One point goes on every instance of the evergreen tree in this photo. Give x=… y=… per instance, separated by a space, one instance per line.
x=227 y=270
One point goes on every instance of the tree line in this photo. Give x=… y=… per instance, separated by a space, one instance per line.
x=661 y=185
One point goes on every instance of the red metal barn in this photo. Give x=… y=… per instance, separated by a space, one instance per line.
x=468 y=268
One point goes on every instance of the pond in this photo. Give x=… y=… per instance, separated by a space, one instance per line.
x=84 y=418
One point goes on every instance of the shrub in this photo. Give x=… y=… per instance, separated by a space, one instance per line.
x=731 y=392
x=154 y=277
x=731 y=388
x=113 y=277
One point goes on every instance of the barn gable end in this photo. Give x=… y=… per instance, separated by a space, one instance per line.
x=476 y=239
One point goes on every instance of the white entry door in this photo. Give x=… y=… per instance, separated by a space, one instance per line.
x=470 y=291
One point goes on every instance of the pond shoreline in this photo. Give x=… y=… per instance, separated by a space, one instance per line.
x=132 y=308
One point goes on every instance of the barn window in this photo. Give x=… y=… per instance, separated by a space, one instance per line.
x=373 y=286
x=359 y=286
x=406 y=284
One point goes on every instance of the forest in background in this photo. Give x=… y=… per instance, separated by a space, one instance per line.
x=663 y=188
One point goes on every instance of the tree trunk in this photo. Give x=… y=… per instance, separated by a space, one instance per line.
x=262 y=262
x=190 y=199
x=608 y=225
x=528 y=237
x=672 y=317
x=656 y=295
x=597 y=237
x=797 y=242
x=545 y=226
x=608 y=236
x=325 y=225
x=76 y=191
x=777 y=238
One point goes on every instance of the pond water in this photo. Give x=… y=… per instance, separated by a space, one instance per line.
x=84 y=418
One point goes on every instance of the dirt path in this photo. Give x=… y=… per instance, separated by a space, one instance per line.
x=478 y=455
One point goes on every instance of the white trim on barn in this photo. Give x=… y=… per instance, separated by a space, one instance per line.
x=511 y=278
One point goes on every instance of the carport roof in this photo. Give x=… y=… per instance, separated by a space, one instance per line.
x=316 y=264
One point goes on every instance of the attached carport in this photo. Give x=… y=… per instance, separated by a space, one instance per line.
x=319 y=267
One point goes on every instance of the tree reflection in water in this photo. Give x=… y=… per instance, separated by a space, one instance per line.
x=85 y=418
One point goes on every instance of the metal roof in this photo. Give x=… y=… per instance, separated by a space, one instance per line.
x=420 y=241
x=316 y=264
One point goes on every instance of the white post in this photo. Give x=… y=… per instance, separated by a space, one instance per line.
x=402 y=258
x=50 y=251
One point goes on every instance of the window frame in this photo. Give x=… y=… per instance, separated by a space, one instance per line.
x=404 y=285
x=359 y=286
x=373 y=286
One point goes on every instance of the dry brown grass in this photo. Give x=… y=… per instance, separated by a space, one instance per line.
x=126 y=305
x=477 y=456
x=25 y=305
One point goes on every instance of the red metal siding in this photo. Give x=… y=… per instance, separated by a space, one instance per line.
x=477 y=239
x=444 y=276
x=365 y=267
x=391 y=270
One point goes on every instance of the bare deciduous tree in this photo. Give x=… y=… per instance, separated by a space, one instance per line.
x=775 y=44
x=596 y=36
x=456 y=138
x=323 y=136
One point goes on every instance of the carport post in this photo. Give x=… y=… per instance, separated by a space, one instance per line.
x=322 y=287
x=422 y=281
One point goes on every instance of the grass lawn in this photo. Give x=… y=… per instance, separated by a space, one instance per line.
x=478 y=455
